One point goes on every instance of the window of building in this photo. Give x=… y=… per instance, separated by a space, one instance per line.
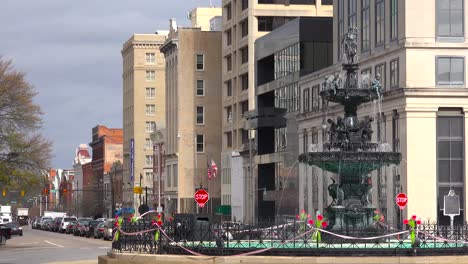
x=265 y=24
x=450 y=161
x=228 y=88
x=229 y=63
x=244 y=81
x=450 y=20
x=393 y=19
x=352 y=13
x=245 y=136
x=148 y=143
x=200 y=143
x=367 y=71
x=200 y=62
x=229 y=139
x=150 y=76
x=229 y=114
x=396 y=131
x=288 y=97
x=228 y=37
x=150 y=109
x=228 y=10
x=150 y=92
x=305 y=140
x=315 y=98
x=149 y=160
x=245 y=4
x=379 y=22
x=244 y=54
x=244 y=27
x=200 y=115
x=175 y=175
x=150 y=58
x=450 y=70
x=380 y=71
x=306 y=100
x=287 y=61
x=340 y=31
x=394 y=74
x=244 y=107
x=169 y=176
x=200 y=87
x=148 y=176
x=365 y=25
x=381 y=128
x=150 y=126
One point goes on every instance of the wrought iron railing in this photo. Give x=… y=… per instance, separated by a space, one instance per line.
x=297 y=238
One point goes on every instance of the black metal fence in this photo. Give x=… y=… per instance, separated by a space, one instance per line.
x=296 y=238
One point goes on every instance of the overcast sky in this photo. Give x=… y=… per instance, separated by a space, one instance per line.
x=70 y=51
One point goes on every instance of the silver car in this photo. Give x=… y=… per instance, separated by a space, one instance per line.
x=108 y=227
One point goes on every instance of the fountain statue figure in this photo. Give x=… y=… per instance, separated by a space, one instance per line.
x=350 y=152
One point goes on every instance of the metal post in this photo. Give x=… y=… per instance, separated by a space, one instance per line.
x=141 y=176
x=196 y=164
x=160 y=176
x=252 y=201
x=40 y=205
x=46 y=204
x=146 y=195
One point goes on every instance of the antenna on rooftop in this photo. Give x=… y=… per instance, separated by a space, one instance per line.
x=211 y=3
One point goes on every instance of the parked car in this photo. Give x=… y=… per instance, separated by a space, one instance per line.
x=66 y=220
x=57 y=222
x=16 y=229
x=35 y=222
x=5 y=233
x=83 y=227
x=41 y=223
x=99 y=230
x=70 y=227
x=108 y=227
x=46 y=224
x=91 y=226
x=80 y=225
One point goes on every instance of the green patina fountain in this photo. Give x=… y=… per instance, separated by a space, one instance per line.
x=350 y=152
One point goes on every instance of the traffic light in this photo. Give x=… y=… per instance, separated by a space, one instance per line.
x=64 y=191
x=22 y=193
x=4 y=192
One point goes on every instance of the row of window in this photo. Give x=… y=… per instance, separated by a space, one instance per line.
x=244 y=134
x=244 y=57
x=244 y=106
x=288 y=97
x=244 y=84
x=287 y=61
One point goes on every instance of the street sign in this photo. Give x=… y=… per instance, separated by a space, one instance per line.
x=201 y=197
x=401 y=200
x=137 y=190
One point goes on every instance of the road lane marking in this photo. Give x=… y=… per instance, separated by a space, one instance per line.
x=104 y=247
x=53 y=244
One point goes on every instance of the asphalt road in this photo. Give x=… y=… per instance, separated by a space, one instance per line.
x=36 y=246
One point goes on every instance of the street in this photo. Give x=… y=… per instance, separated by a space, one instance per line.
x=36 y=246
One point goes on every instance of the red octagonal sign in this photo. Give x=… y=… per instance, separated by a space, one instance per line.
x=201 y=197
x=401 y=200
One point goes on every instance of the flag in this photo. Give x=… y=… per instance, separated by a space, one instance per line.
x=209 y=173
x=214 y=169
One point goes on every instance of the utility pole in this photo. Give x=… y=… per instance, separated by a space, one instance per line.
x=40 y=205
x=46 y=204
x=141 y=176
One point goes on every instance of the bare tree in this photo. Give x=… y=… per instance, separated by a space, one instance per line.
x=24 y=153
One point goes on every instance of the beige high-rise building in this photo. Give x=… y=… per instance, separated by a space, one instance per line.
x=243 y=22
x=193 y=114
x=143 y=108
x=419 y=49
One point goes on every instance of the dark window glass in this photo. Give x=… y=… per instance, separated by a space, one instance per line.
x=200 y=143
x=229 y=88
x=229 y=63
x=306 y=100
x=229 y=139
x=393 y=19
x=228 y=11
x=200 y=62
x=379 y=22
x=244 y=28
x=244 y=81
x=244 y=55
x=265 y=24
x=450 y=71
x=315 y=98
x=229 y=37
x=340 y=31
x=352 y=13
x=450 y=18
x=394 y=74
x=365 y=25
x=200 y=87
x=380 y=71
x=200 y=115
x=245 y=4
x=244 y=107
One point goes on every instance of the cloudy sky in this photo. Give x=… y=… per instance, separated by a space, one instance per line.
x=70 y=51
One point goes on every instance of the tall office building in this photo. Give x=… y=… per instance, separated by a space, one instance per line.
x=193 y=114
x=419 y=49
x=143 y=107
x=243 y=22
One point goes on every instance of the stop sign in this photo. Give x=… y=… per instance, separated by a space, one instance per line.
x=401 y=200
x=201 y=197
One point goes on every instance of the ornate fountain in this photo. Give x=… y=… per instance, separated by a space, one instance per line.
x=350 y=152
